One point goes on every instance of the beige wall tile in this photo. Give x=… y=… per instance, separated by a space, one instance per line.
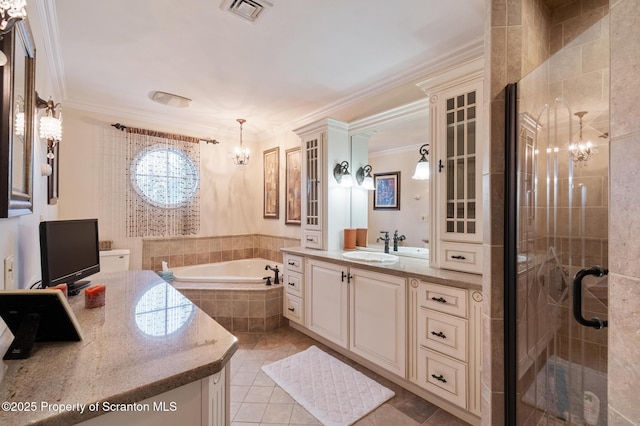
x=624 y=322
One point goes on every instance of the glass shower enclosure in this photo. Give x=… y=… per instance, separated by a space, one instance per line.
x=557 y=237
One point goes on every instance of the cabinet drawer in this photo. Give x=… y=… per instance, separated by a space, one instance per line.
x=461 y=257
x=450 y=300
x=443 y=376
x=293 y=308
x=293 y=283
x=312 y=239
x=443 y=333
x=293 y=263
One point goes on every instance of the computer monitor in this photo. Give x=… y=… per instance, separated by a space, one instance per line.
x=69 y=251
x=37 y=316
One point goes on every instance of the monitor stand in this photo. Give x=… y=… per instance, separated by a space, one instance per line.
x=73 y=289
x=25 y=337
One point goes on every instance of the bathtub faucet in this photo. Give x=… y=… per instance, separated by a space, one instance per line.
x=397 y=238
x=276 y=271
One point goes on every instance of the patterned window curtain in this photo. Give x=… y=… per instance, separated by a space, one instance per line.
x=163 y=197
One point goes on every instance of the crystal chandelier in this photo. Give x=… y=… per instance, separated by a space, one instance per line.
x=11 y=11
x=581 y=151
x=241 y=153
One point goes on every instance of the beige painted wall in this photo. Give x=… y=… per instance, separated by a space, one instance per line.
x=230 y=197
x=19 y=235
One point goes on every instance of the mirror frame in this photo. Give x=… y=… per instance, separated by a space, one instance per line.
x=17 y=45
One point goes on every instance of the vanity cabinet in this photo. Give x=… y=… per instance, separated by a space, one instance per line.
x=377 y=319
x=293 y=280
x=457 y=116
x=327 y=300
x=447 y=342
x=325 y=143
x=360 y=310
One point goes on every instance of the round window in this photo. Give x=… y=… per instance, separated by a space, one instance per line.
x=165 y=177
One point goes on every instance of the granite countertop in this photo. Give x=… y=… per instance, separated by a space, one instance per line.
x=407 y=267
x=146 y=340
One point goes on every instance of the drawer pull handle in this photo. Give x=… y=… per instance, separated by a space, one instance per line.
x=439 y=299
x=292 y=284
x=291 y=262
x=439 y=334
x=292 y=309
x=440 y=378
x=310 y=239
x=458 y=257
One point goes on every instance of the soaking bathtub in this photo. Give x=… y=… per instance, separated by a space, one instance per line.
x=234 y=293
x=248 y=271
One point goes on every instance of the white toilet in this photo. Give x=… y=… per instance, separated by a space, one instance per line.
x=114 y=260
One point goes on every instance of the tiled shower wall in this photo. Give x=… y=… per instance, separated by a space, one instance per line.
x=186 y=251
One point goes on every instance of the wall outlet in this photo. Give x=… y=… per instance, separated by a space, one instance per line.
x=9 y=273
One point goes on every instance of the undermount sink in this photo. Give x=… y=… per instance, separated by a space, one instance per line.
x=367 y=256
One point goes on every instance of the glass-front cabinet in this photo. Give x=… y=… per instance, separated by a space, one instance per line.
x=461 y=221
x=456 y=117
x=324 y=144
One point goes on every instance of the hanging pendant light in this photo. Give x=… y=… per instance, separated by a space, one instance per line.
x=241 y=153
x=581 y=151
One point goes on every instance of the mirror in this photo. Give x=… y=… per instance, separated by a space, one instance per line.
x=17 y=112
x=390 y=142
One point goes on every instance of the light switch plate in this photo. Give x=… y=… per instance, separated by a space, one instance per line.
x=9 y=273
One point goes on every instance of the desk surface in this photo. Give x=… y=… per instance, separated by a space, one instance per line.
x=146 y=340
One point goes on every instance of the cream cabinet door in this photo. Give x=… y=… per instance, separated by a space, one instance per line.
x=378 y=319
x=326 y=298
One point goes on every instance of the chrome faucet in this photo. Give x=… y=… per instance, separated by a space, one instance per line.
x=397 y=238
x=385 y=239
x=276 y=279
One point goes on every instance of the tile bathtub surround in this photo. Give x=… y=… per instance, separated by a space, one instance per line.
x=241 y=310
x=257 y=400
x=187 y=251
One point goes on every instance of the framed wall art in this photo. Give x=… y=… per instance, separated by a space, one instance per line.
x=271 y=188
x=386 y=195
x=293 y=189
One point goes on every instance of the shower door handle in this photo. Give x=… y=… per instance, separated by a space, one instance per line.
x=595 y=322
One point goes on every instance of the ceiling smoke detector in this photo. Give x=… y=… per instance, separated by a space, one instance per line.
x=249 y=10
x=170 y=99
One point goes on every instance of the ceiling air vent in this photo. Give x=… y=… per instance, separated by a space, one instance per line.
x=248 y=10
x=170 y=99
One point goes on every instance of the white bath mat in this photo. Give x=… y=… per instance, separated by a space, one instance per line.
x=333 y=392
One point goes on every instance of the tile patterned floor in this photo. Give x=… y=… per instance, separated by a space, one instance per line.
x=257 y=400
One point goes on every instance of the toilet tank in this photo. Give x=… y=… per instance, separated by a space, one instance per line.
x=114 y=260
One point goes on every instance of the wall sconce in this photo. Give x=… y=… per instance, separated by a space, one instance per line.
x=241 y=153
x=50 y=123
x=364 y=178
x=11 y=11
x=422 y=168
x=342 y=175
x=582 y=151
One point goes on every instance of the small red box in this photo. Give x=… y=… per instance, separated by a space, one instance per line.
x=94 y=296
